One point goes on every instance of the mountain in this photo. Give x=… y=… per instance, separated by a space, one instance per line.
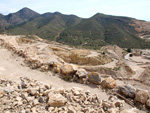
x=101 y=30
x=94 y=32
x=17 y=18
x=48 y=25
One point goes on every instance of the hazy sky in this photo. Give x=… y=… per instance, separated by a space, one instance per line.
x=139 y=9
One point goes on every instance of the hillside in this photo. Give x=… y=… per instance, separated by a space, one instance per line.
x=101 y=30
x=17 y=18
x=48 y=25
x=94 y=32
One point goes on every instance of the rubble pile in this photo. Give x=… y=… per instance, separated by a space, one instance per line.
x=32 y=96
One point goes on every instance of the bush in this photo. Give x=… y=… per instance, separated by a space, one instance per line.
x=129 y=50
x=130 y=55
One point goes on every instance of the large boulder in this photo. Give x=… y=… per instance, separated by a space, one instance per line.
x=141 y=96
x=148 y=102
x=94 y=77
x=127 y=91
x=82 y=73
x=56 y=100
x=68 y=69
x=108 y=83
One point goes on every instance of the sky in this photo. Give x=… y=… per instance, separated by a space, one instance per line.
x=139 y=9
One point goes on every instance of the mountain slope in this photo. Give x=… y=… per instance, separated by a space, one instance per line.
x=93 y=32
x=103 y=29
x=20 y=17
x=48 y=25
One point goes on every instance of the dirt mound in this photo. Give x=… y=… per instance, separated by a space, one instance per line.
x=113 y=51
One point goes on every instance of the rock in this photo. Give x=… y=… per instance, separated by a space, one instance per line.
x=23 y=85
x=56 y=100
x=56 y=67
x=68 y=69
x=113 y=110
x=44 y=68
x=35 y=102
x=32 y=91
x=8 y=90
x=23 y=111
x=81 y=73
x=108 y=83
x=132 y=110
x=47 y=86
x=106 y=105
x=41 y=100
x=71 y=110
x=7 y=112
x=141 y=96
x=2 y=93
x=148 y=102
x=18 y=98
x=118 y=103
x=29 y=99
x=76 y=91
x=94 y=77
x=33 y=110
x=127 y=91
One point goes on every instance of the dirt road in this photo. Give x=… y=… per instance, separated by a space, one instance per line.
x=12 y=67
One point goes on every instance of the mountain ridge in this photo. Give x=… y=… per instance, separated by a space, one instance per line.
x=93 y=32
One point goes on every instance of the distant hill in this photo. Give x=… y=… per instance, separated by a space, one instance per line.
x=93 y=32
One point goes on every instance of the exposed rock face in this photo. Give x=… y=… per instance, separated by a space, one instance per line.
x=127 y=91
x=68 y=69
x=83 y=57
x=56 y=100
x=108 y=83
x=141 y=96
x=94 y=77
x=81 y=73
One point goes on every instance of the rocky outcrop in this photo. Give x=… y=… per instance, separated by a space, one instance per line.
x=141 y=96
x=94 y=77
x=127 y=91
x=108 y=83
x=83 y=57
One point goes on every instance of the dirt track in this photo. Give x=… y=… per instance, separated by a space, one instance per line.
x=12 y=67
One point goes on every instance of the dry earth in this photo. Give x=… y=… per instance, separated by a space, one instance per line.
x=12 y=66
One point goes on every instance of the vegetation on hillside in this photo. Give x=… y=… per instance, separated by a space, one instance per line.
x=93 y=32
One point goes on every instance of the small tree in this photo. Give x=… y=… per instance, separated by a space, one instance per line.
x=129 y=50
x=130 y=55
